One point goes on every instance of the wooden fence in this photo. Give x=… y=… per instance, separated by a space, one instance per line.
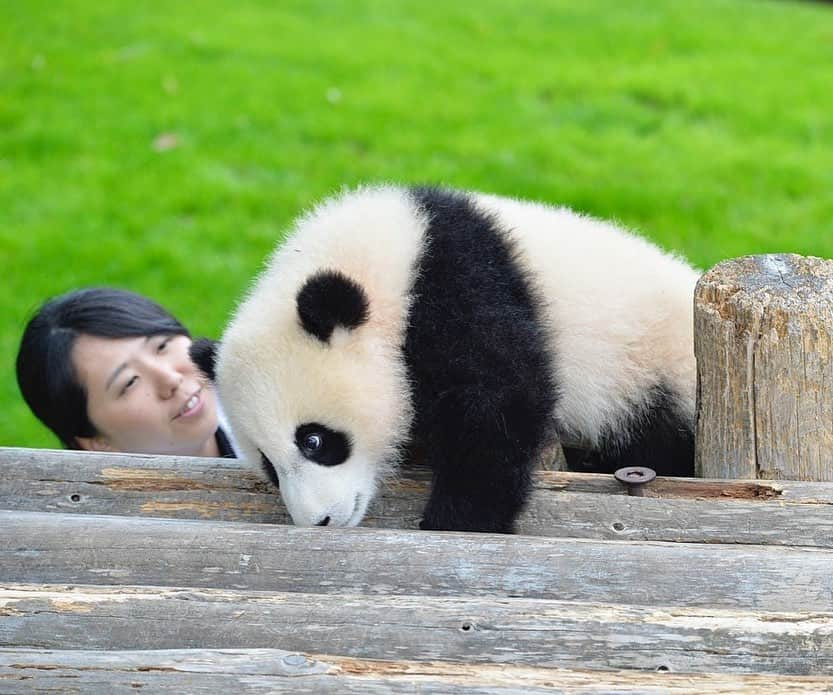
x=699 y=586
x=126 y=573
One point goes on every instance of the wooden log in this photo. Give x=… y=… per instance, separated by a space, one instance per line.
x=256 y=671
x=154 y=474
x=575 y=505
x=136 y=484
x=531 y=632
x=614 y=517
x=86 y=549
x=158 y=474
x=763 y=328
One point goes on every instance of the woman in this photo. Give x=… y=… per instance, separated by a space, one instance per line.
x=109 y=370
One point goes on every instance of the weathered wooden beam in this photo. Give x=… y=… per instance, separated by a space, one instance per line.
x=575 y=505
x=153 y=474
x=86 y=549
x=763 y=328
x=614 y=517
x=531 y=632
x=135 y=484
x=255 y=671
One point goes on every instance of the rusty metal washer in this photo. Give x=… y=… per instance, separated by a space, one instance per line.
x=635 y=478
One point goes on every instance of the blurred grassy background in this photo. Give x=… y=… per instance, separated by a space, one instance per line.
x=166 y=147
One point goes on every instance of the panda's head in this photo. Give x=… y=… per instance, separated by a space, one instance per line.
x=315 y=392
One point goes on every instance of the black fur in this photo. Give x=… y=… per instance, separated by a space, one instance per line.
x=333 y=446
x=477 y=355
x=203 y=353
x=269 y=468
x=224 y=445
x=329 y=299
x=660 y=440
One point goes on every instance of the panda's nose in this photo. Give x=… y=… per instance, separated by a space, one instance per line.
x=323 y=522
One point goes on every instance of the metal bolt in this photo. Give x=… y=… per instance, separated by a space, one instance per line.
x=635 y=478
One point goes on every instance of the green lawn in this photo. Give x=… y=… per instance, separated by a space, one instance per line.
x=166 y=148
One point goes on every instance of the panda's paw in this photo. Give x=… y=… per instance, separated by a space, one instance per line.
x=458 y=522
x=426 y=526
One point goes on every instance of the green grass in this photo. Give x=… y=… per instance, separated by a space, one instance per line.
x=706 y=125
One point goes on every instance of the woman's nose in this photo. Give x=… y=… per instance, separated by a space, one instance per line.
x=168 y=381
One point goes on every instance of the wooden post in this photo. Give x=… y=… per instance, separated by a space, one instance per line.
x=763 y=332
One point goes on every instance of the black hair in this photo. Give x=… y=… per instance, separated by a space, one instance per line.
x=45 y=374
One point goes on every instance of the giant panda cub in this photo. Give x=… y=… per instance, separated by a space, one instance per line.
x=475 y=327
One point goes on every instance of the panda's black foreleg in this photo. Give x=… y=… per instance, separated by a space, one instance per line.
x=456 y=507
x=482 y=451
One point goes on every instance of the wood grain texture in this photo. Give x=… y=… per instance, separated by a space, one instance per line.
x=257 y=671
x=151 y=474
x=763 y=329
x=101 y=604
x=575 y=505
x=459 y=629
x=86 y=549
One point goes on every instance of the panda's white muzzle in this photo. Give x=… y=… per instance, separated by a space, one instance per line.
x=317 y=503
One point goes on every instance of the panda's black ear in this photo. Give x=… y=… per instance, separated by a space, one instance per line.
x=329 y=299
x=203 y=353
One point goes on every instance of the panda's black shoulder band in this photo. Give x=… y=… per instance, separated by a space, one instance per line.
x=329 y=299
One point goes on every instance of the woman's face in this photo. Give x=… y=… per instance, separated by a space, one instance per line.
x=144 y=395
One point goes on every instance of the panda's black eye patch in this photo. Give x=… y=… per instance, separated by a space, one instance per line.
x=322 y=445
x=329 y=299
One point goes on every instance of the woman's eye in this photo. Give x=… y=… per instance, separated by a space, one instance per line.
x=163 y=345
x=130 y=383
x=313 y=442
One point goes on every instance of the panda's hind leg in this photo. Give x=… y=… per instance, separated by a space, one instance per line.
x=657 y=437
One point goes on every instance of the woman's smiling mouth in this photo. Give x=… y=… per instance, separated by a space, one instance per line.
x=191 y=407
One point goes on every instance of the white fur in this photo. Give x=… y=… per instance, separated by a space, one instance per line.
x=273 y=376
x=619 y=309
